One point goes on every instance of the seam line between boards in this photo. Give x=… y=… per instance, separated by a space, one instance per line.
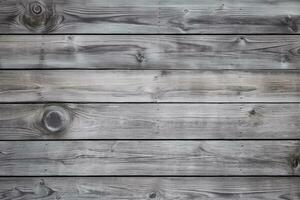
x=152 y=34
x=145 y=176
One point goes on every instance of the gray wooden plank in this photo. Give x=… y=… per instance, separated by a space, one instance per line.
x=150 y=121
x=106 y=188
x=149 y=86
x=156 y=16
x=116 y=158
x=229 y=16
x=78 y=16
x=150 y=52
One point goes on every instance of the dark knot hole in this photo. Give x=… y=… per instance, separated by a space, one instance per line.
x=55 y=119
x=36 y=8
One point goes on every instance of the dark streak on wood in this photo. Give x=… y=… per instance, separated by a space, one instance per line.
x=152 y=121
x=115 y=158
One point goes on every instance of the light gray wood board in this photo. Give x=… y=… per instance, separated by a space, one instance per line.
x=116 y=158
x=150 y=52
x=143 y=16
x=151 y=121
x=149 y=86
x=181 y=188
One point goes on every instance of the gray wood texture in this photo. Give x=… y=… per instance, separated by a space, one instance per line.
x=150 y=121
x=155 y=16
x=106 y=188
x=133 y=99
x=150 y=52
x=149 y=86
x=155 y=158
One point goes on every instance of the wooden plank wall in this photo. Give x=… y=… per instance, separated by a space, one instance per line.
x=149 y=99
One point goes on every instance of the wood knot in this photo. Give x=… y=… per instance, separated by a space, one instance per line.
x=252 y=112
x=42 y=182
x=55 y=119
x=242 y=41
x=36 y=8
x=140 y=57
x=152 y=195
x=294 y=161
x=285 y=58
x=291 y=23
x=186 y=11
x=38 y=16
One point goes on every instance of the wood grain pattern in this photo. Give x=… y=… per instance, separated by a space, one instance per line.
x=156 y=158
x=149 y=86
x=152 y=121
x=156 y=16
x=209 y=188
x=150 y=52
x=167 y=101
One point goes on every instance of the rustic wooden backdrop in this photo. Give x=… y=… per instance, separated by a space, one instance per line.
x=150 y=99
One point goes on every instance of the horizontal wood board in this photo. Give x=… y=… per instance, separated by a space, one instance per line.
x=150 y=52
x=106 y=188
x=151 y=121
x=155 y=16
x=131 y=94
x=149 y=86
x=138 y=158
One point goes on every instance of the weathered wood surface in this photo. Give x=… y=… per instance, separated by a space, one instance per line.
x=106 y=188
x=150 y=52
x=150 y=121
x=149 y=158
x=150 y=86
x=143 y=16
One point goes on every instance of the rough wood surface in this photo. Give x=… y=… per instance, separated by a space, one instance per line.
x=150 y=52
x=149 y=158
x=93 y=122
x=149 y=121
x=105 y=188
x=150 y=86
x=143 y=16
